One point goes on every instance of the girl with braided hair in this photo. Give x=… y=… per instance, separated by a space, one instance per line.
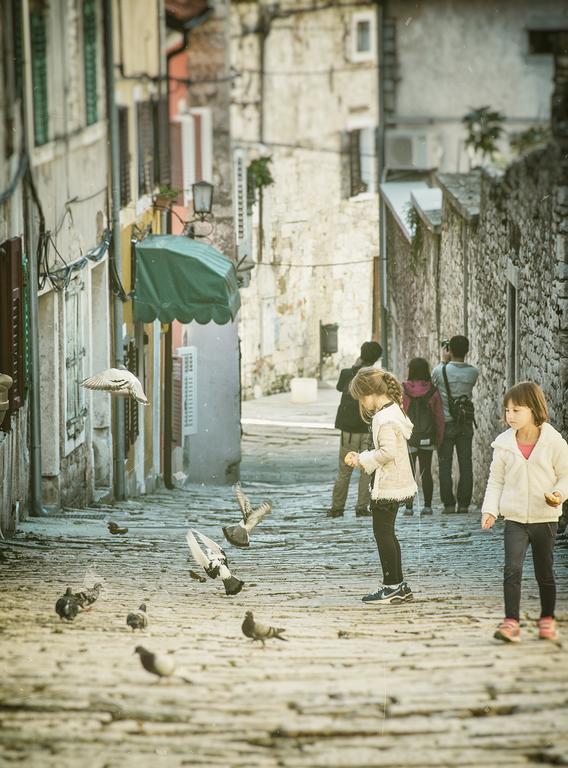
x=380 y=401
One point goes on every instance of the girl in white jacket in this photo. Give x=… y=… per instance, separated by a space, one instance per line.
x=528 y=481
x=380 y=398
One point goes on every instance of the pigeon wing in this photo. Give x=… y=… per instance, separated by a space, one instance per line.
x=258 y=514
x=111 y=380
x=213 y=546
x=196 y=551
x=136 y=390
x=244 y=503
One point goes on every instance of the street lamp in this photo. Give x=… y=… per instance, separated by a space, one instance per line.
x=202 y=198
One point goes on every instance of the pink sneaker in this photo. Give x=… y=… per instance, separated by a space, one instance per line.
x=508 y=631
x=547 y=628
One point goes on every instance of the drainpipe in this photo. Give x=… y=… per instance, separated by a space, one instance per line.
x=381 y=173
x=112 y=112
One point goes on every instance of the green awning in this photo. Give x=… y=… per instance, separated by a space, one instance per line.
x=178 y=278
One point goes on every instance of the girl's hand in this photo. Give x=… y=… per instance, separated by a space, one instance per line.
x=352 y=459
x=487 y=520
x=553 y=499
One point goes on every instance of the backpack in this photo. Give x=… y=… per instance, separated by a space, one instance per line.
x=461 y=408
x=420 y=414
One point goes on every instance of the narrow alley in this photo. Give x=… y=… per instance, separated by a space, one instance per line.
x=423 y=684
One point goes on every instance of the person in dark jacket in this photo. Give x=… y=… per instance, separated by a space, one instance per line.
x=354 y=435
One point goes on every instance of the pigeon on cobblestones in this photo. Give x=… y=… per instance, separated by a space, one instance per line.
x=115 y=528
x=238 y=535
x=138 y=619
x=156 y=664
x=117 y=381
x=67 y=606
x=213 y=561
x=262 y=632
x=87 y=597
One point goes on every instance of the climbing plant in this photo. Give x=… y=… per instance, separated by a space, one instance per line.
x=484 y=127
x=417 y=240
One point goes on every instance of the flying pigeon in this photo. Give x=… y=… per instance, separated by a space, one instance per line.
x=156 y=664
x=138 y=619
x=117 y=381
x=67 y=606
x=115 y=528
x=197 y=577
x=213 y=561
x=262 y=632
x=238 y=535
x=87 y=597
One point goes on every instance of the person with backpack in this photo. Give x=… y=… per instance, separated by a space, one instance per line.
x=354 y=435
x=455 y=381
x=423 y=405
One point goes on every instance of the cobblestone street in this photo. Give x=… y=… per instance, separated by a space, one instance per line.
x=419 y=685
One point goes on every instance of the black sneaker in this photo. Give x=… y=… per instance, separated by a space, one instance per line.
x=449 y=510
x=463 y=510
x=425 y=511
x=335 y=513
x=408 y=511
x=363 y=512
x=389 y=595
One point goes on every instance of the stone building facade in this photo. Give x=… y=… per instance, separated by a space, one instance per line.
x=497 y=274
x=306 y=97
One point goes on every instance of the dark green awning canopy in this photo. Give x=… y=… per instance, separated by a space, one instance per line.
x=178 y=278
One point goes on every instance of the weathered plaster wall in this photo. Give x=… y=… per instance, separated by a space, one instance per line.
x=314 y=245
x=487 y=44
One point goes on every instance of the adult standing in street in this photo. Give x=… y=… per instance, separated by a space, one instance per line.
x=354 y=435
x=455 y=381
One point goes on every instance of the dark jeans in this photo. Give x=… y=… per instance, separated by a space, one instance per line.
x=460 y=438
x=384 y=518
x=425 y=464
x=541 y=537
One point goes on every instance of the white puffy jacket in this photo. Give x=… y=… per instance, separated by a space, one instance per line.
x=516 y=485
x=393 y=478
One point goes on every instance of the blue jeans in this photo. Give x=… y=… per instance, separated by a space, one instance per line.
x=459 y=438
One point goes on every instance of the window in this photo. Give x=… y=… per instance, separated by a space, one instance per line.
x=90 y=60
x=543 y=41
x=363 y=37
x=38 y=43
x=146 y=147
x=193 y=143
x=512 y=325
x=124 y=143
x=75 y=411
x=12 y=332
x=362 y=158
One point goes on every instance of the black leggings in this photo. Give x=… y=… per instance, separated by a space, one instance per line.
x=540 y=537
x=425 y=464
x=384 y=518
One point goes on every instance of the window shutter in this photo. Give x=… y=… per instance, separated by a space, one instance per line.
x=367 y=161
x=17 y=27
x=131 y=407
x=187 y=397
x=357 y=185
x=145 y=120
x=177 y=400
x=345 y=149
x=11 y=319
x=241 y=221
x=38 y=42
x=162 y=140
x=75 y=411
x=125 y=192
x=90 y=60
x=176 y=160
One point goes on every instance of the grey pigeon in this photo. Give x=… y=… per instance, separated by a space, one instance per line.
x=117 y=381
x=87 y=597
x=138 y=619
x=156 y=664
x=239 y=535
x=67 y=606
x=262 y=632
x=213 y=561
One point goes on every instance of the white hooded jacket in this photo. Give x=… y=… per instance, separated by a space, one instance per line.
x=516 y=485
x=393 y=475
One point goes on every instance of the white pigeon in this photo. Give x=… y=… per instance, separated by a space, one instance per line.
x=117 y=381
x=213 y=561
x=238 y=535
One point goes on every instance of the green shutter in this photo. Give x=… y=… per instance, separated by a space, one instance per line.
x=38 y=34
x=90 y=60
x=18 y=47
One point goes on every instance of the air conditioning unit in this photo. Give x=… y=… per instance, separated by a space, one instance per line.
x=411 y=150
